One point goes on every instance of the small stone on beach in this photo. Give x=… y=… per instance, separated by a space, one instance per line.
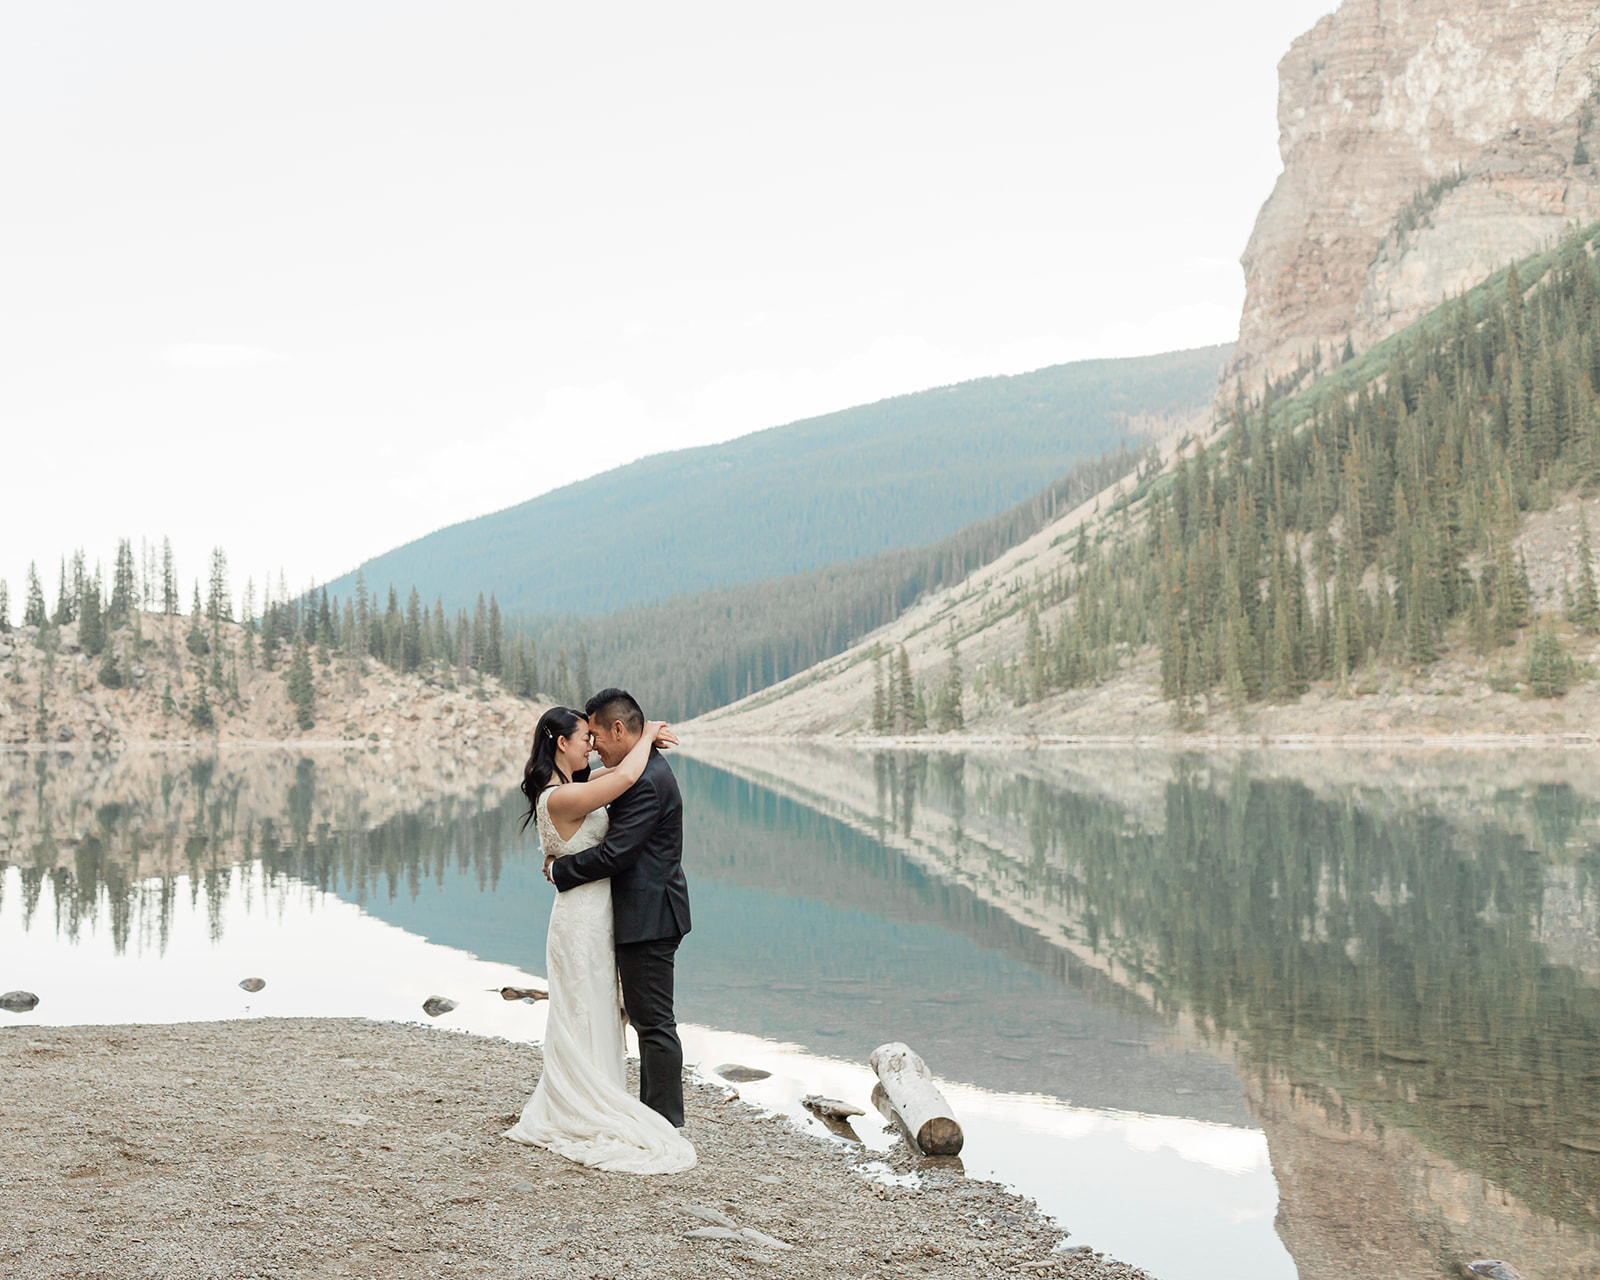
x=740 y=1075
x=253 y=984
x=530 y=994
x=832 y=1108
x=433 y=1006
x=19 y=1002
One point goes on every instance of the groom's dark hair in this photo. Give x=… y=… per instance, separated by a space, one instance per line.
x=610 y=705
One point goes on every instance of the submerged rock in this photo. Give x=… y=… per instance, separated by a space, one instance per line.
x=741 y=1075
x=19 y=1001
x=434 y=1006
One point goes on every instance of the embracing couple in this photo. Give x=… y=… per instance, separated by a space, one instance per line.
x=613 y=846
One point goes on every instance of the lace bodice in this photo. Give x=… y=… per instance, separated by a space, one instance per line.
x=590 y=833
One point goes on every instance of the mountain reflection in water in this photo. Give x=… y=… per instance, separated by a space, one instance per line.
x=1392 y=967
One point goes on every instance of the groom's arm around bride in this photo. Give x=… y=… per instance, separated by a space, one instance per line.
x=643 y=856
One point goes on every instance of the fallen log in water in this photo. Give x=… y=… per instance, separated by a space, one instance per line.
x=916 y=1099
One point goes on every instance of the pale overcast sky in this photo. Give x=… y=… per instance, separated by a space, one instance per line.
x=310 y=279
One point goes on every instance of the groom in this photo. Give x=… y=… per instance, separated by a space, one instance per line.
x=643 y=855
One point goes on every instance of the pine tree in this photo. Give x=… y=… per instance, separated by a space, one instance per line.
x=91 y=622
x=581 y=673
x=168 y=706
x=196 y=640
x=5 y=608
x=169 y=580
x=200 y=713
x=66 y=601
x=880 y=702
x=950 y=717
x=110 y=675
x=1549 y=668
x=124 y=587
x=33 y=611
x=565 y=689
x=302 y=689
x=905 y=711
x=411 y=642
x=496 y=663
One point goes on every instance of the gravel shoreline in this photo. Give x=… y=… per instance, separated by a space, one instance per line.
x=342 y=1147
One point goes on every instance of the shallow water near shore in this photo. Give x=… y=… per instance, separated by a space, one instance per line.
x=1207 y=1012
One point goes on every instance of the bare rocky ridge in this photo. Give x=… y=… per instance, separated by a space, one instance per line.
x=305 y=1147
x=363 y=701
x=1380 y=100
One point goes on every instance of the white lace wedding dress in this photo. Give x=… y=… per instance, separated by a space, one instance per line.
x=581 y=1107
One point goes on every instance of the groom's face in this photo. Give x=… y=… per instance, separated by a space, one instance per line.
x=611 y=743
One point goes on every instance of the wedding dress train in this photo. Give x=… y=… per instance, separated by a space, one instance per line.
x=581 y=1107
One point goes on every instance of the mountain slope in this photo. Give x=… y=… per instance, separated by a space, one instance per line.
x=899 y=473
x=1411 y=525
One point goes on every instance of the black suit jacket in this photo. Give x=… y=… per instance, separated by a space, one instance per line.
x=643 y=855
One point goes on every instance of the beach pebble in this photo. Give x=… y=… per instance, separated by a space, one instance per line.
x=433 y=1006
x=706 y=1214
x=19 y=1001
x=762 y=1239
x=711 y=1233
x=253 y=984
x=830 y=1107
x=530 y=994
x=1494 y=1269
x=740 y=1075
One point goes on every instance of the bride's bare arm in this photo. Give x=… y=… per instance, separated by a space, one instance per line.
x=572 y=801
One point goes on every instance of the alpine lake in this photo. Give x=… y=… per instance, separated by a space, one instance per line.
x=1245 y=1014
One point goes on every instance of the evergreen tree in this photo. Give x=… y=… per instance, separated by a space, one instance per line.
x=195 y=640
x=169 y=580
x=200 y=713
x=581 y=674
x=1549 y=668
x=66 y=599
x=218 y=606
x=495 y=658
x=168 y=706
x=124 y=586
x=906 y=708
x=33 y=611
x=565 y=689
x=302 y=690
x=5 y=608
x=411 y=643
x=950 y=717
x=110 y=675
x=91 y=622
x=880 y=702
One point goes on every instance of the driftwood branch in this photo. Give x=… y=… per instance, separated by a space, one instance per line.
x=911 y=1091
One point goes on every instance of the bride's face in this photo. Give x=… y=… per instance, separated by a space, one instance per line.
x=572 y=753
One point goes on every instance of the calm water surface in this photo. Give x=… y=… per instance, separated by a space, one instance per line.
x=1221 y=1017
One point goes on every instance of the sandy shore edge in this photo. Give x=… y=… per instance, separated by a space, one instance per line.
x=344 y=1147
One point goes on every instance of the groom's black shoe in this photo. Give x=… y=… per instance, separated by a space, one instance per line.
x=646 y=972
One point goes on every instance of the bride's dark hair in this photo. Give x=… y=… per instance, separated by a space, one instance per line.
x=554 y=724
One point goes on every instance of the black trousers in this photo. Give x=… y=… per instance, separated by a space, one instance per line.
x=646 y=972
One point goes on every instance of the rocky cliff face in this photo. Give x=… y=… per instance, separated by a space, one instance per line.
x=1426 y=144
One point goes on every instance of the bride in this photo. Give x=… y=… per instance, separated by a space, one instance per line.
x=581 y=1107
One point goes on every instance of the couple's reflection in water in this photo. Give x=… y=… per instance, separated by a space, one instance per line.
x=1393 y=970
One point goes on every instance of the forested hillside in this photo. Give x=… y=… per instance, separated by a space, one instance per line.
x=900 y=473
x=1350 y=537
x=690 y=654
x=1362 y=519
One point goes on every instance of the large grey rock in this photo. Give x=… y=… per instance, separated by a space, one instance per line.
x=434 y=1006
x=19 y=1001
